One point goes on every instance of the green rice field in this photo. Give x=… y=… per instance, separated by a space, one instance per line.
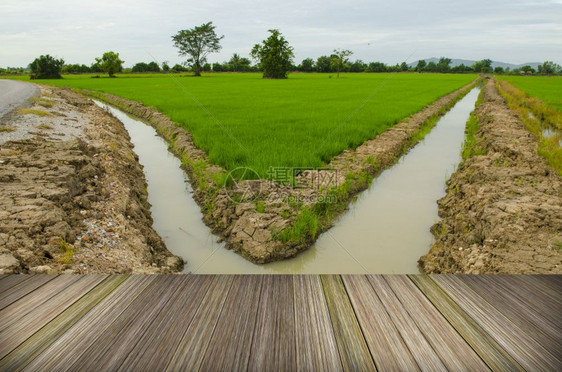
x=546 y=88
x=303 y=121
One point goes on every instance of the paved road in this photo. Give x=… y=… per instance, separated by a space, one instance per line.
x=13 y=94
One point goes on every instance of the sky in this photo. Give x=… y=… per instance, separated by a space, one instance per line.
x=390 y=31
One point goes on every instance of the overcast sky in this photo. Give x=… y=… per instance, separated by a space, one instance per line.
x=390 y=31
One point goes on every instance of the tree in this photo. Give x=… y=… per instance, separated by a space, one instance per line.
x=527 y=69
x=444 y=64
x=323 y=64
x=358 y=66
x=110 y=63
x=431 y=67
x=46 y=67
x=421 y=65
x=404 y=66
x=484 y=65
x=275 y=56
x=197 y=43
x=307 y=65
x=165 y=66
x=549 y=67
x=340 y=59
x=377 y=67
x=499 y=70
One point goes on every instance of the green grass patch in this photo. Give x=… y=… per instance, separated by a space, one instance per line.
x=545 y=88
x=470 y=146
x=304 y=228
x=537 y=117
x=303 y=121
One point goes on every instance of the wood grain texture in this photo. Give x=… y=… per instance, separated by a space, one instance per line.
x=353 y=349
x=273 y=344
x=116 y=342
x=196 y=339
x=455 y=353
x=528 y=353
x=39 y=341
x=160 y=340
x=387 y=347
x=529 y=311
x=18 y=309
x=231 y=344
x=12 y=290
x=316 y=343
x=69 y=348
x=486 y=346
x=290 y=323
x=17 y=332
x=416 y=342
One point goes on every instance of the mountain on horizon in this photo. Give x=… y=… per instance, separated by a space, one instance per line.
x=469 y=62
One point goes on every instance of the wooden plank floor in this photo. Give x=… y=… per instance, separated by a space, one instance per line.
x=288 y=323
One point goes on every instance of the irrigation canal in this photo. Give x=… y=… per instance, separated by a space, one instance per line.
x=385 y=231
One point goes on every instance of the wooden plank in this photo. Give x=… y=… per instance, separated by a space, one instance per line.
x=159 y=342
x=196 y=339
x=70 y=347
x=426 y=358
x=12 y=313
x=540 y=293
x=20 y=286
x=316 y=343
x=10 y=282
x=114 y=344
x=273 y=345
x=353 y=349
x=232 y=339
x=486 y=347
x=34 y=345
x=452 y=349
x=17 y=332
x=525 y=308
x=385 y=343
x=529 y=354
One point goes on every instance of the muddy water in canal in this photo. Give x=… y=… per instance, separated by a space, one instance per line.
x=384 y=231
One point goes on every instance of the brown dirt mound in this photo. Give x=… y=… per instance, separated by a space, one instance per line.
x=503 y=210
x=73 y=196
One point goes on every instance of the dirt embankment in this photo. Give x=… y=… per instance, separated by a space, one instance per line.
x=503 y=210
x=253 y=228
x=72 y=194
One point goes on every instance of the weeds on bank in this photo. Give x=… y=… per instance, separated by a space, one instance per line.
x=47 y=103
x=67 y=252
x=7 y=129
x=29 y=111
x=536 y=117
x=471 y=145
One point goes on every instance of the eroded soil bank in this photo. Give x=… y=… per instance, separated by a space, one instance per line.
x=72 y=194
x=255 y=228
x=503 y=209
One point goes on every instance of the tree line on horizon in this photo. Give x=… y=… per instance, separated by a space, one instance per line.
x=273 y=57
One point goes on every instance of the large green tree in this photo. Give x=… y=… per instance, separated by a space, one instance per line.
x=110 y=63
x=197 y=43
x=46 y=67
x=275 y=56
x=340 y=59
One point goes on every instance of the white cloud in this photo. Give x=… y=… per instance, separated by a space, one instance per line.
x=389 y=31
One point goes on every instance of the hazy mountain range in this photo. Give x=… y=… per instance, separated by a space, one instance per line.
x=468 y=62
